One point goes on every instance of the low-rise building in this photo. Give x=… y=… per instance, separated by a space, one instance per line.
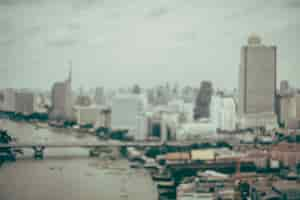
x=287 y=153
x=196 y=130
x=257 y=120
x=178 y=157
x=262 y=190
x=288 y=190
x=203 y=154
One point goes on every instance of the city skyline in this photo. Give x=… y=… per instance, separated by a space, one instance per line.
x=140 y=42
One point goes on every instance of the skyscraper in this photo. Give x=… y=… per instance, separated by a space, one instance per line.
x=203 y=100
x=257 y=82
x=62 y=100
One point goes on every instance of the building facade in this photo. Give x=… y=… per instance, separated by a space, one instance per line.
x=287 y=109
x=99 y=96
x=125 y=111
x=203 y=100
x=24 y=103
x=7 y=100
x=257 y=80
x=62 y=101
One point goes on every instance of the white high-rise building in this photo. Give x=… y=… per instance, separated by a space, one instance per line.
x=287 y=109
x=62 y=100
x=126 y=111
x=223 y=112
x=257 y=84
x=228 y=114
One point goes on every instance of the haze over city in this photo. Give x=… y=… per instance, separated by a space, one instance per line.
x=149 y=100
x=118 y=43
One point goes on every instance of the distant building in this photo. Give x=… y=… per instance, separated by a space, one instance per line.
x=88 y=115
x=257 y=83
x=287 y=109
x=99 y=96
x=106 y=114
x=228 y=114
x=204 y=129
x=62 y=100
x=157 y=127
x=162 y=95
x=83 y=100
x=24 y=102
x=151 y=96
x=203 y=100
x=188 y=94
x=298 y=106
x=136 y=89
x=126 y=109
x=284 y=88
x=223 y=112
x=288 y=106
x=142 y=127
x=7 y=100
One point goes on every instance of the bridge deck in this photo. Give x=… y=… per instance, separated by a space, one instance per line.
x=97 y=144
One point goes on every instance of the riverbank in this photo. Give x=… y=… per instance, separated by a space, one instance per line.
x=69 y=173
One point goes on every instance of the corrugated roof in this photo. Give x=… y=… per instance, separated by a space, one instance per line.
x=178 y=156
x=287 y=147
x=206 y=154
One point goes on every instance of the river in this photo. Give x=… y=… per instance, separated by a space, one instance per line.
x=68 y=174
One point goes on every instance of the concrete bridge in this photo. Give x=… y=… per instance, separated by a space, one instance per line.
x=39 y=148
x=110 y=143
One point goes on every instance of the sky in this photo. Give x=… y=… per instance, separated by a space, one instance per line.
x=117 y=43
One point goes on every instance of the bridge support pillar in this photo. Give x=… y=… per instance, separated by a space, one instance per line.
x=94 y=152
x=38 y=152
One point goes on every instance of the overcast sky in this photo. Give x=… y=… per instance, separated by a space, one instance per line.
x=116 y=43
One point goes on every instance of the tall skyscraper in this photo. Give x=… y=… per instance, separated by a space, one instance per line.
x=203 y=100
x=257 y=82
x=62 y=100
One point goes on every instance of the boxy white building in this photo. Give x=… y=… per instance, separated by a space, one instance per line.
x=126 y=111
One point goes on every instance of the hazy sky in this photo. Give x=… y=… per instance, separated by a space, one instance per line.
x=116 y=43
